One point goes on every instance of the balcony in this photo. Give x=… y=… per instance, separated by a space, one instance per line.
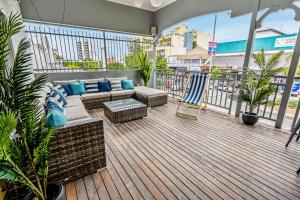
x=163 y=156
x=167 y=157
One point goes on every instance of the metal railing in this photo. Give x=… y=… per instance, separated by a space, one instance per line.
x=63 y=48
x=223 y=90
x=222 y=87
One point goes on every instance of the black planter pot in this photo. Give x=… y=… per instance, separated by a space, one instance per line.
x=54 y=192
x=250 y=118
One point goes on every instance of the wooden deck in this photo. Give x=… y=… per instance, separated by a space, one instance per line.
x=216 y=157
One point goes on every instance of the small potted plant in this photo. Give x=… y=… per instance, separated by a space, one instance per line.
x=257 y=88
x=145 y=67
x=24 y=135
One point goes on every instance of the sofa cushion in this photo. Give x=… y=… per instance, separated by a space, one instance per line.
x=55 y=117
x=74 y=102
x=119 y=78
x=115 y=85
x=149 y=92
x=127 y=84
x=74 y=97
x=58 y=95
x=91 y=87
x=67 y=88
x=104 y=86
x=121 y=93
x=78 y=88
x=65 y=82
x=76 y=112
x=91 y=80
x=88 y=96
x=53 y=102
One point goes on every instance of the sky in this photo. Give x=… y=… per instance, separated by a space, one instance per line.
x=232 y=29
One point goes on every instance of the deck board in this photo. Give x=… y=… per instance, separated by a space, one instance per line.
x=167 y=157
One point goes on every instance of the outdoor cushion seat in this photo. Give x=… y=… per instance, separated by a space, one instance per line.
x=74 y=97
x=122 y=93
x=149 y=92
x=65 y=82
x=76 y=112
x=88 y=96
x=74 y=102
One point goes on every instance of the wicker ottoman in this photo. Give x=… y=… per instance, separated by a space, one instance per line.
x=150 y=96
x=124 y=110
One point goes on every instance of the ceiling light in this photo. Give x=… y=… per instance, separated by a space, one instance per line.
x=156 y=3
x=138 y=3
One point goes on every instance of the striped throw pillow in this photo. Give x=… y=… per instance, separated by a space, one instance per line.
x=61 y=89
x=115 y=85
x=91 y=86
x=58 y=96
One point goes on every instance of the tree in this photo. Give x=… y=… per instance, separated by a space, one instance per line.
x=215 y=73
x=24 y=136
x=145 y=67
x=116 y=66
x=257 y=88
x=161 y=63
x=194 y=44
x=134 y=49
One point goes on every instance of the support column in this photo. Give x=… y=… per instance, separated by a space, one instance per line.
x=251 y=37
x=289 y=83
x=153 y=72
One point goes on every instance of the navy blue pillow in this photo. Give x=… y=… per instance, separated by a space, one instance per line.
x=104 y=86
x=67 y=89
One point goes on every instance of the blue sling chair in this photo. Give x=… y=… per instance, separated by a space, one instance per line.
x=193 y=94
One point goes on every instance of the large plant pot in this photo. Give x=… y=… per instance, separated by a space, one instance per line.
x=250 y=118
x=54 y=192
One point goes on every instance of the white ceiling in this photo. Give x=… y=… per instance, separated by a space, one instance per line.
x=146 y=4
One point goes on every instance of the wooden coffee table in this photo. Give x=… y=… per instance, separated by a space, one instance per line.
x=124 y=110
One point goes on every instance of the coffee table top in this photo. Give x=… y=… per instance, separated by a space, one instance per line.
x=125 y=104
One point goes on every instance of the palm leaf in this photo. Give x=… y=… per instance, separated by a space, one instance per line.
x=8 y=174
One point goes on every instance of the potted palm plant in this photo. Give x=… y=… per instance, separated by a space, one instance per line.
x=257 y=89
x=24 y=136
x=145 y=67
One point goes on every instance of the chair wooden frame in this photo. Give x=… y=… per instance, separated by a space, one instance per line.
x=197 y=106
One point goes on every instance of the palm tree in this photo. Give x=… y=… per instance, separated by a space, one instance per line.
x=145 y=67
x=27 y=153
x=257 y=88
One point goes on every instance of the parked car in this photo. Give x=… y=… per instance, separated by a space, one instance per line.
x=295 y=90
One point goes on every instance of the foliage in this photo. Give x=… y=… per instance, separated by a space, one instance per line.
x=85 y=65
x=134 y=49
x=215 y=73
x=161 y=63
x=286 y=71
x=257 y=88
x=194 y=44
x=145 y=67
x=23 y=154
x=116 y=66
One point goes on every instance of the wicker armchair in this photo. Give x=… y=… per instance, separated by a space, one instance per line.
x=77 y=150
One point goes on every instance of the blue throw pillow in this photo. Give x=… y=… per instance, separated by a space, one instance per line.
x=55 y=117
x=67 y=88
x=127 y=85
x=77 y=88
x=104 y=86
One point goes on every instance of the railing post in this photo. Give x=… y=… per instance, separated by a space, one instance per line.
x=289 y=83
x=105 y=51
x=153 y=73
x=251 y=37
